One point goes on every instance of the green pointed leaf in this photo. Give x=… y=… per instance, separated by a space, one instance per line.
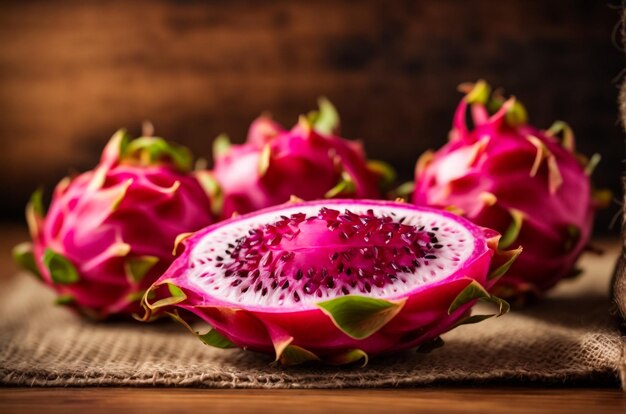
x=35 y=212
x=479 y=93
x=215 y=339
x=61 y=270
x=516 y=115
x=36 y=201
x=211 y=338
x=326 y=120
x=176 y=296
x=221 y=146
x=360 y=316
x=474 y=291
x=152 y=150
x=345 y=186
x=470 y=320
x=384 y=171
x=295 y=355
x=471 y=292
x=503 y=305
x=404 y=190
x=428 y=347
x=264 y=159
x=592 y=164
x=137 y=296
x=137 y=267
x=562 y=128
x=213 y=190
x=64 y=300
x=24 y=257
x=348 y=357
x=511 y=233
x=179 y=239
x=502 y=269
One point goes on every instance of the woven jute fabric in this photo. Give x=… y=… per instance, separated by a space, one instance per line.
x=567 y=338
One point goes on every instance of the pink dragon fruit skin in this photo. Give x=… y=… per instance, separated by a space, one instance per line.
x=339 y=326
x=308 y=162
x=109 y=232
x=524 y=182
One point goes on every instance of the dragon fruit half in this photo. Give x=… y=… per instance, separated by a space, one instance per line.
x=336 y=280
x=309 y=162
x=109 y=232
x=528 y=184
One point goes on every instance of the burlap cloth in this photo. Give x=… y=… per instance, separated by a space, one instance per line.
x=568 y=338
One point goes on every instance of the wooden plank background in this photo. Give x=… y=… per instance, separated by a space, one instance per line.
x=72 y=72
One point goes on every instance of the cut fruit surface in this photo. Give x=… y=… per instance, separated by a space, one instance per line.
x=296 y=256
x=329 y=277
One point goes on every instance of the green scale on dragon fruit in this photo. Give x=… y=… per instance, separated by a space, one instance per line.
x=529 y=184
x=108 y=233
x=332 y=280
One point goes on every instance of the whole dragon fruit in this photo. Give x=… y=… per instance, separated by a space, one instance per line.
x=308 y=162
x=109 y=232
x=336 y=280
x=529 y=184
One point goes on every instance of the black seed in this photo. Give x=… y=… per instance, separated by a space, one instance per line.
x=285 y=284
x=244 y=290
x=330 y=283
x=236 y=282
x=368 y=287
x=435 y=228
x=219 y=258
x=340 y=268
x=228 y=273
x=255 y=274
x=258 y=286
x=232 y=246
x=274 y=284
x=345 y=290
x=264 y=292
x=296 y=297
x=430 y=256
x=298 y=276
x=333 y=256
x=242 y=273
x=438 y=246
x=349 y=271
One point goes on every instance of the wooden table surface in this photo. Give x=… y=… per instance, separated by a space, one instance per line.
x=488 y=399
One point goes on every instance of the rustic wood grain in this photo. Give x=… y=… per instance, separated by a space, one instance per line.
x=425 y=400
x=72 y=72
